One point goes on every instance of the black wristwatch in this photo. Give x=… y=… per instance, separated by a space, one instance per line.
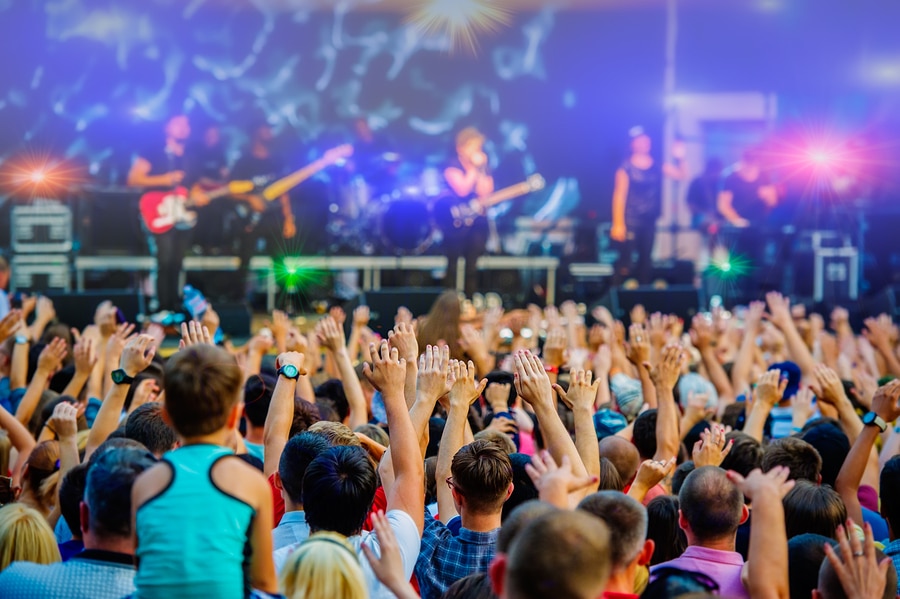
x=289 y=371
x=873 y=419
x=120 y=377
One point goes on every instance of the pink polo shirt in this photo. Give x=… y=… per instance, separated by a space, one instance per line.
x=724 y=567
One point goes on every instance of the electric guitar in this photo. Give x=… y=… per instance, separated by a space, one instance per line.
x=455 y=213
x=164 y=210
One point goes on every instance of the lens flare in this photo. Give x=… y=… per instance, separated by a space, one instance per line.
x=460 y=20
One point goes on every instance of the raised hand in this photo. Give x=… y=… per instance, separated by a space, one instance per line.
x=280 y=326
x=658 y=330
x=104 y=318
x=582 y=392
x=10 y=324
x=802 y=407
x=64 y=421
x=338 y=314
x=147 y=391
x=829 y=387
x=291 y=358
x=665 y=374
x=638 y=345
x=638 y=314
x=193 y=333
x=779 y=310
x=775 y=481
x=260 y=344
x=532 y=382
x=388 y=372
x=85 y=356
x=753 y=317
x=885 y=401
x=403 y=338
x=433 y=378
x=45 y=311
x=652 y=472
x=137 y=355
x=472 y=342
x=555 y=482
x=861 y=574
x=361 y=316
x=119 y=336
x=465 y=388
x=554 y=353
x=330 y=335
x=602 y=361
x=296 y=341
x=403 y=315
x=770 y=388
x=497 y=396
x=878 y=332
x=703 y=335
x=52 y=356
x=712 y=448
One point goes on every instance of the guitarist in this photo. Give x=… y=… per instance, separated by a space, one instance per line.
x=163 y=167
x=255 y=218
x=469 y=177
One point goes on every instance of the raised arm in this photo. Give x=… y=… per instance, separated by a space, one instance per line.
x=780 y=315
x=332 y=338
x=885 y=406
x=136 y=357
x=85 y=360
x=665 y=376
x=829 y=389
x=620 y=197
x=533 y=386
x=769 y=391
x=277 y=429
x=49 y=362
x=767 y=563
x=403 y=337
x=878 y=332
x=580 y=399
x=704 y=339
x=388 y=375
x=743 y=363
x=640 y=355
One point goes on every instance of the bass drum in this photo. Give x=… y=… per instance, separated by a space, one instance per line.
x=406 y=228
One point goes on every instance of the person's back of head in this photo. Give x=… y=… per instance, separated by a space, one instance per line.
x=374 y=432
x=800 y=457
x=322 y=567
x=503 y=441
x=203 y=390
x=644 y=434
x=298 y=454
x=889 y=482
x=746 y=453
x=338 y=490
x=523 y=487
x=805 y=555
x=482 y=476
x=712 y=507
x=561 y=555
x=830 y=587
x=663 y=529
x=624 y=456
x=680 y=475
x=832 y=444
x=518 y=519
x=25 y=536
x=335 y=433
x=40 y=478
x=626 y=520
x=107 y=494
x=609 y=477
x=306 y=415
x=474 y=586
x=813 y=509
x=71 y=494
x=147 y=426
x=257 y=397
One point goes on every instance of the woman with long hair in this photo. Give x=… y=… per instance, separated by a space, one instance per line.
x=25 y=536
x=441 y=325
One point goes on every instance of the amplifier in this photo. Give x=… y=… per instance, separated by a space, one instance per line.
x=42 y=227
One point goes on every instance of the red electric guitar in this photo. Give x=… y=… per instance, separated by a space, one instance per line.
x=164 y=210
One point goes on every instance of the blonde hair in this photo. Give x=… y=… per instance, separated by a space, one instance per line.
x=25 y=536
x=322 y=567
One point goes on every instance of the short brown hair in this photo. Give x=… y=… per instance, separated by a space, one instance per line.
x=803 y=460
x=203 y=384
x=562 y=554
x=482 y=473
x=335 y=433
x=501 y=440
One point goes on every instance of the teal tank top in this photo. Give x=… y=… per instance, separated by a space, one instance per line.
x=193 y=538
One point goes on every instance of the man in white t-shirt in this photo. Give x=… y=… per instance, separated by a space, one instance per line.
x=339 y=485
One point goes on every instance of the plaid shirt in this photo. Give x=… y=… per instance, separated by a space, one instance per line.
x=444 y=558
x=892 y=550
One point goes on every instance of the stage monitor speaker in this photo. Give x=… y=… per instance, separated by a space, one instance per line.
x=683 y=301
x=77 y=309
x=383 y=304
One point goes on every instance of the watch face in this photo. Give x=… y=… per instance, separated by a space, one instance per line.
x=290 y=371
x=869 y=418
x=118 y=376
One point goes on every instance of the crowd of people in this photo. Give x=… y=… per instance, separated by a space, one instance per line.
x=740 y=455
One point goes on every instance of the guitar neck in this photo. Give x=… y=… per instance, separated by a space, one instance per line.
x=282 y=186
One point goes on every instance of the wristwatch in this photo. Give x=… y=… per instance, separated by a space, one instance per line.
x=22 y=340
x=873 y=419
x=289 y=371
x=120 y=377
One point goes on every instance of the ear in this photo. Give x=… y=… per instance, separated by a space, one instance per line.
x=509 y=492
x=84 y=515
x=745 y=513
x=682 y=522
x=166 y=417
x=278 y=484
x=646 y=553
x=816 y=594
x=819 y=479
x=497 y=574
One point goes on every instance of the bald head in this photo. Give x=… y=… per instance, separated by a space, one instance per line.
x=710 y=504
x=623 y=455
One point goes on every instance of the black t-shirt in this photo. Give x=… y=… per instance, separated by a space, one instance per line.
x=745 y=197
x=644 y=203
x=207 y=163
x=162 y=162
x=249 y=166
x=702 y=195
